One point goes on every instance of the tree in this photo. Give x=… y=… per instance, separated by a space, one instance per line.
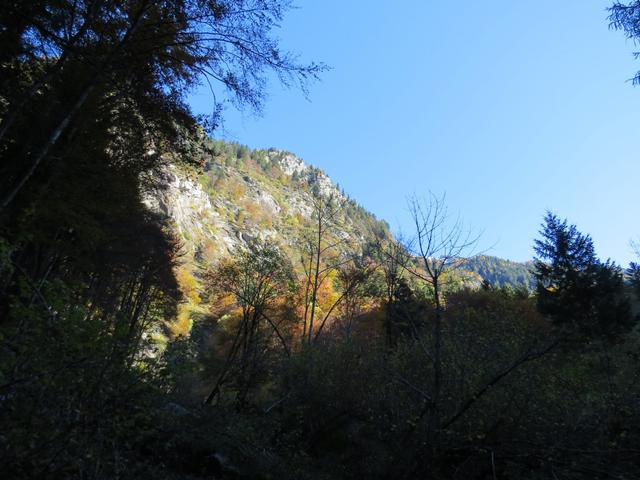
x=258 y=278
x=577 y=291
x=92 y=104
x=392 y=257
x=439 y=245
x=633 y=271
x=322 y=256
x=66 y=58
x=626 y=17
x=353 y=278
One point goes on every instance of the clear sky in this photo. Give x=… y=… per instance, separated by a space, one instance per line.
x=511 y=107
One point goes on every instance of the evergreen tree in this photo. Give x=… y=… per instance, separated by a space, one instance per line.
x=634 y=274
x=574 y=288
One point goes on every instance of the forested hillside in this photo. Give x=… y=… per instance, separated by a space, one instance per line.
x=500 y=273
x=237 y=198
x=237 y=195
x=178 y=307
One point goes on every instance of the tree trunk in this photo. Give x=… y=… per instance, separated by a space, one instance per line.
x=316 y=276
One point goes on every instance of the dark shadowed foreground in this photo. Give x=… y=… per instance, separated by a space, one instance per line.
x=338 y=352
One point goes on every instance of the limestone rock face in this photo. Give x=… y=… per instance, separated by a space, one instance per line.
x=266 y=195
x=291 y=164
x=191 y=211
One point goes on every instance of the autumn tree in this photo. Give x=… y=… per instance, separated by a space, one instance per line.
x=258 y=278
x=323 y=247
x=93 y=103
x=354 y=285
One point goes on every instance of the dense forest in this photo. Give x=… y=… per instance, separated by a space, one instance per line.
x=501 y=273
x=149 y=333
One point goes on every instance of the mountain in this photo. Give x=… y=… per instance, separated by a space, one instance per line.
x=500 y=272
x=236 y=196
x=239 y=195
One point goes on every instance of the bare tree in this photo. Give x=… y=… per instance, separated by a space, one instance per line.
x=438 y=243
x=323 y=247
x=435 y=251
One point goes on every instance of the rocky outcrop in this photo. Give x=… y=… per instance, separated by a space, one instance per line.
x=190 y=210
x=232 y=203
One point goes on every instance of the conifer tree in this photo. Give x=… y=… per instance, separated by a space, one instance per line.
x=576 y=290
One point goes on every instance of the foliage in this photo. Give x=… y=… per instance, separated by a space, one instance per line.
x=258 y=278
x=625 y=16
x=499 y=272
x=574 y=288
x=360 y=361
x=92 y=105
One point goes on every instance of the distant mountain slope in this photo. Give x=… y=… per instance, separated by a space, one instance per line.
x=499 y=272
x=241 y=194
x=238 y=195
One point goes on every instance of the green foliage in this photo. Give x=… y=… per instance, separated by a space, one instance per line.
x=634 y=275
x=575 y=289
x=499 y=272
x=256 y=198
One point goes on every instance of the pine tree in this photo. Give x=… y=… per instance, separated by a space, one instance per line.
x=577 y=291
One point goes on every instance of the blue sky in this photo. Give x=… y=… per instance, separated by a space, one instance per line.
x=510 y=107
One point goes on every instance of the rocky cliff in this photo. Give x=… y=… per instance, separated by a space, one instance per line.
x=239 y=195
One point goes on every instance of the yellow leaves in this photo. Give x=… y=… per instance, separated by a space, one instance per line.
x=181 y=326
x=224 y=305
x=284 y=179
x=292 y=221
x=190 y=288
x=188 y=285
x=211 y=250
x=327 y=295
x=235 y=189
x=256 y=213
x=252 y=209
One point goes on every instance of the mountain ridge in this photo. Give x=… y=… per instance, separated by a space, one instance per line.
x=240 y=195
